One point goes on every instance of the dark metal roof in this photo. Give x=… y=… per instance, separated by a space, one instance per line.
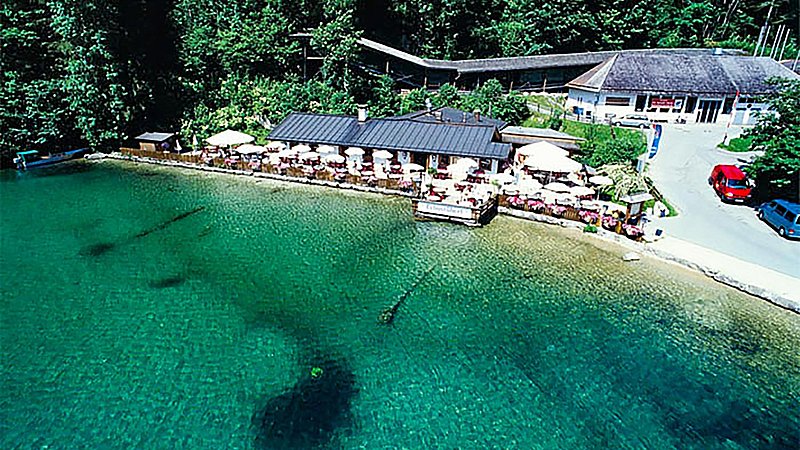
x=154 y=137
x=516 y=62
x=792 y=65
x=544 y=133
x=391 y=134
x=699 y=73
x=451 y=115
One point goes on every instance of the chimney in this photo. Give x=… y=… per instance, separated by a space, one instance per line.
x=362 y=113
x=463 y=117
x=477 y=115
x=438 y=115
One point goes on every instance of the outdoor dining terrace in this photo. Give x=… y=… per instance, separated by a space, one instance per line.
x=289 y=167
x=601 y=214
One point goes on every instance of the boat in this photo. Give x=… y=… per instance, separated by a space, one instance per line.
x=33 y=159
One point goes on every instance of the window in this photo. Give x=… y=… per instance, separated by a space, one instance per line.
x=676 y=108
x=737 y=184
x=618 y=101
x=691 y=103
x=790 y=216
x=641 y=100
x=727 y=106
x=780 y=210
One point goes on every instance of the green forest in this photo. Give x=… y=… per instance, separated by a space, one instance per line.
x=95 y=72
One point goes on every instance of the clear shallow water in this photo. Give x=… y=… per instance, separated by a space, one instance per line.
x=122 y=329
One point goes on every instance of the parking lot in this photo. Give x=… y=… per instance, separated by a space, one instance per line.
x=680 y=170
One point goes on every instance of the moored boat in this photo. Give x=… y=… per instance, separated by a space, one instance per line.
x=33 y=159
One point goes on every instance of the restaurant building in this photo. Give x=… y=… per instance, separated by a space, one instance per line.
x=667 y=85
x=431 y=138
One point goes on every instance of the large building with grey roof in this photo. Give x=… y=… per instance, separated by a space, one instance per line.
x=430 y=138
x=665 y=86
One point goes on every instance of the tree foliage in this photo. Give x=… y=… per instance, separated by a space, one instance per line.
x=96 y=72
x=620 y=150
x=777 y=171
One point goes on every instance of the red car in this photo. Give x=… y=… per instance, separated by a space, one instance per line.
x=730 y=183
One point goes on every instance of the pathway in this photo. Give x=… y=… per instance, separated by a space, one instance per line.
x=681 y=170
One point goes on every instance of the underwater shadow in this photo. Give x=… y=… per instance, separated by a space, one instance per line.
x=310 y=413
x=98 y=249
x=168 y=282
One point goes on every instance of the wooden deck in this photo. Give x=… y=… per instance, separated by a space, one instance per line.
x=473 y=216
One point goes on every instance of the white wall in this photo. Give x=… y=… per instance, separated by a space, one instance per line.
x=594 y=103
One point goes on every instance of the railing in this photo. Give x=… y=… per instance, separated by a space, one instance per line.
x=294 y=172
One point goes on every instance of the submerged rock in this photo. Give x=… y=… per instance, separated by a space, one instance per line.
x=98 y=249
x=309 y=414
x=631 y=256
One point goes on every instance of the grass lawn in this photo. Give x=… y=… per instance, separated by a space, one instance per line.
x=537 y=120
x=547 y=102
x=603 y=132
x=737 y=145
x=581 y=129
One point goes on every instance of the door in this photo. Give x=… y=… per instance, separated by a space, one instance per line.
x=708 y=110
x=420 y=158
x=738 y=117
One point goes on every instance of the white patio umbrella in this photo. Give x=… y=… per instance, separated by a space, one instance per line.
x=309 y=155
x=326 y=149
x=333 y=158
x=382 y=154
x=601 y=180
x=557 y=187
x=502 y=178
x=301 y=148
x=553 y=163
x=542 y=148
x=249 y=149
x=467 y=162
x=287 y=153
x=573 y=177
x=276 y=145
x=551 y=196
x=458 y=175
x=228 y=138
x=412 y=167
x=530 y=185
x=581 y=191
x=354 y=151
x=456 y=167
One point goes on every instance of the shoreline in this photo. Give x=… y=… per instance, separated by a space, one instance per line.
x=777 y=288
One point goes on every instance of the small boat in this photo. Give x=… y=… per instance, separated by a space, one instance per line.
x=32 y=158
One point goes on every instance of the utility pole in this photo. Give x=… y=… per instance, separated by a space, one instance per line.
x=773 y=52
x=764 y=35
x=785 y=41
x=766 y=39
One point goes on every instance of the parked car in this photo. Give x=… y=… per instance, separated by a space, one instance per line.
x=730 y=183
x=632 y=120
x=782 y=215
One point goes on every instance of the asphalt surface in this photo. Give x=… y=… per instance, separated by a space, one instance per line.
x=680 y=171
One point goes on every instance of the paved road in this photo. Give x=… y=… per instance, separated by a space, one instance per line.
x=680 y=171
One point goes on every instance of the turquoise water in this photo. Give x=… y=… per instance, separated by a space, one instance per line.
x=132 y=318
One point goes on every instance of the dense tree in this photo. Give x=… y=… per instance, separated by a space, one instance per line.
x=33 y=110
x=336 y=39
x=620 y=150
x=94 y=72
x=385 y=101
x=777 y=171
